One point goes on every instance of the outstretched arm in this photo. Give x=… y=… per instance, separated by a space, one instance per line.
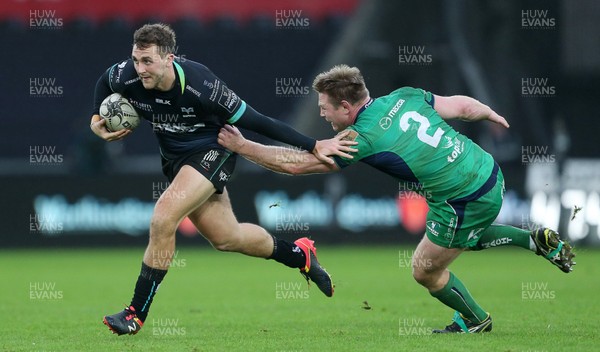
x=279 y=159
x=279 y=131
x=466 y=109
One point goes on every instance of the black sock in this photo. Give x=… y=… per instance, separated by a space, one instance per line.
x=287 y=253
x=145 y=288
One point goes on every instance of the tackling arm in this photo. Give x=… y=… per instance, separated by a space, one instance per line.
x=279 y=159
x=277 y=130
x=466 y=109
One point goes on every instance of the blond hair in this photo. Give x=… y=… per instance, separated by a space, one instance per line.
x=342 y=82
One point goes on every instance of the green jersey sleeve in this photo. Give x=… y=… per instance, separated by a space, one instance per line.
x=364 y=148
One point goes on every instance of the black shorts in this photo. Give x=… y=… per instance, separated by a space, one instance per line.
x=216 y=165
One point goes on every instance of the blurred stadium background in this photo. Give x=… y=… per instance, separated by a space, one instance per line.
x=535 y=62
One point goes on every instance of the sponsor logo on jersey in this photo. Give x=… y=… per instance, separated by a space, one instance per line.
x=395 y=109
x=162 y=101
x=431 y=227
x=228 y=99
x=141 y=106
x=449 y=143
x=120 y=71
x=456 y=151
x=210 y=85
x=195 y=92
x=385 y=122
x=132 y=81
x=188 y=112
x=214 y=86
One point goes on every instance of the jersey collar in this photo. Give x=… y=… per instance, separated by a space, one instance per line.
x=181 y=76
x=362 y=108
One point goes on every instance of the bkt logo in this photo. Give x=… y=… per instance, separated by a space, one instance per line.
x=163 y=101
x=211 y=156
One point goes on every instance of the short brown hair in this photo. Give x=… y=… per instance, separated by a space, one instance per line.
x=158 y=34
x=342 y=82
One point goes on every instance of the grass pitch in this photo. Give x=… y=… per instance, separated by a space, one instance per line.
x=53 y=300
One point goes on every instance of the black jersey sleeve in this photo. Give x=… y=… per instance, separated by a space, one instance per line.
x=224 y=102
x=274 y=129
x=114 y=80
x=102 y=91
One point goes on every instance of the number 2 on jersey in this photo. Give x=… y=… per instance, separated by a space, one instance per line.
x=424 y=125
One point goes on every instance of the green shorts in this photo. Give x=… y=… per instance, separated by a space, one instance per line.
x=458 y=223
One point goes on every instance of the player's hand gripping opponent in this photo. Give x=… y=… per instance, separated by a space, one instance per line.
x=231 y=138
x=334 y=146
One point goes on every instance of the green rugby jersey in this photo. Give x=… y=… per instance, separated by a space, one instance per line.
x=402 y=135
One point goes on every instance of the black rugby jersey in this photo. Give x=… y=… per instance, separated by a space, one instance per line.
x=188 y=117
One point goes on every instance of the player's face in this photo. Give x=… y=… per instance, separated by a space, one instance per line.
x=338 y=117
x=151 y=67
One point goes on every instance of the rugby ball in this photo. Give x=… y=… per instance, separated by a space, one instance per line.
x=118 y=113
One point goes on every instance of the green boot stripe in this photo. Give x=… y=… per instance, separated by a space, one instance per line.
x=557 y=250
x=459 y=320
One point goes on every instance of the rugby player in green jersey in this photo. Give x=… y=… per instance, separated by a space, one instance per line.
x=404 y=134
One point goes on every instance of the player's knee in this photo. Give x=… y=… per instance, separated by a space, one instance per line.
x=226 y=245
x=162 y=225
x=423 y=274
x=229 y=243
x=419 y=276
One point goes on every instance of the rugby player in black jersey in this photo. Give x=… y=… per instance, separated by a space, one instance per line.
x=187 y=105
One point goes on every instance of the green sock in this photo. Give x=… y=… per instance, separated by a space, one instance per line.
x=456 y=296
x=504 y=235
